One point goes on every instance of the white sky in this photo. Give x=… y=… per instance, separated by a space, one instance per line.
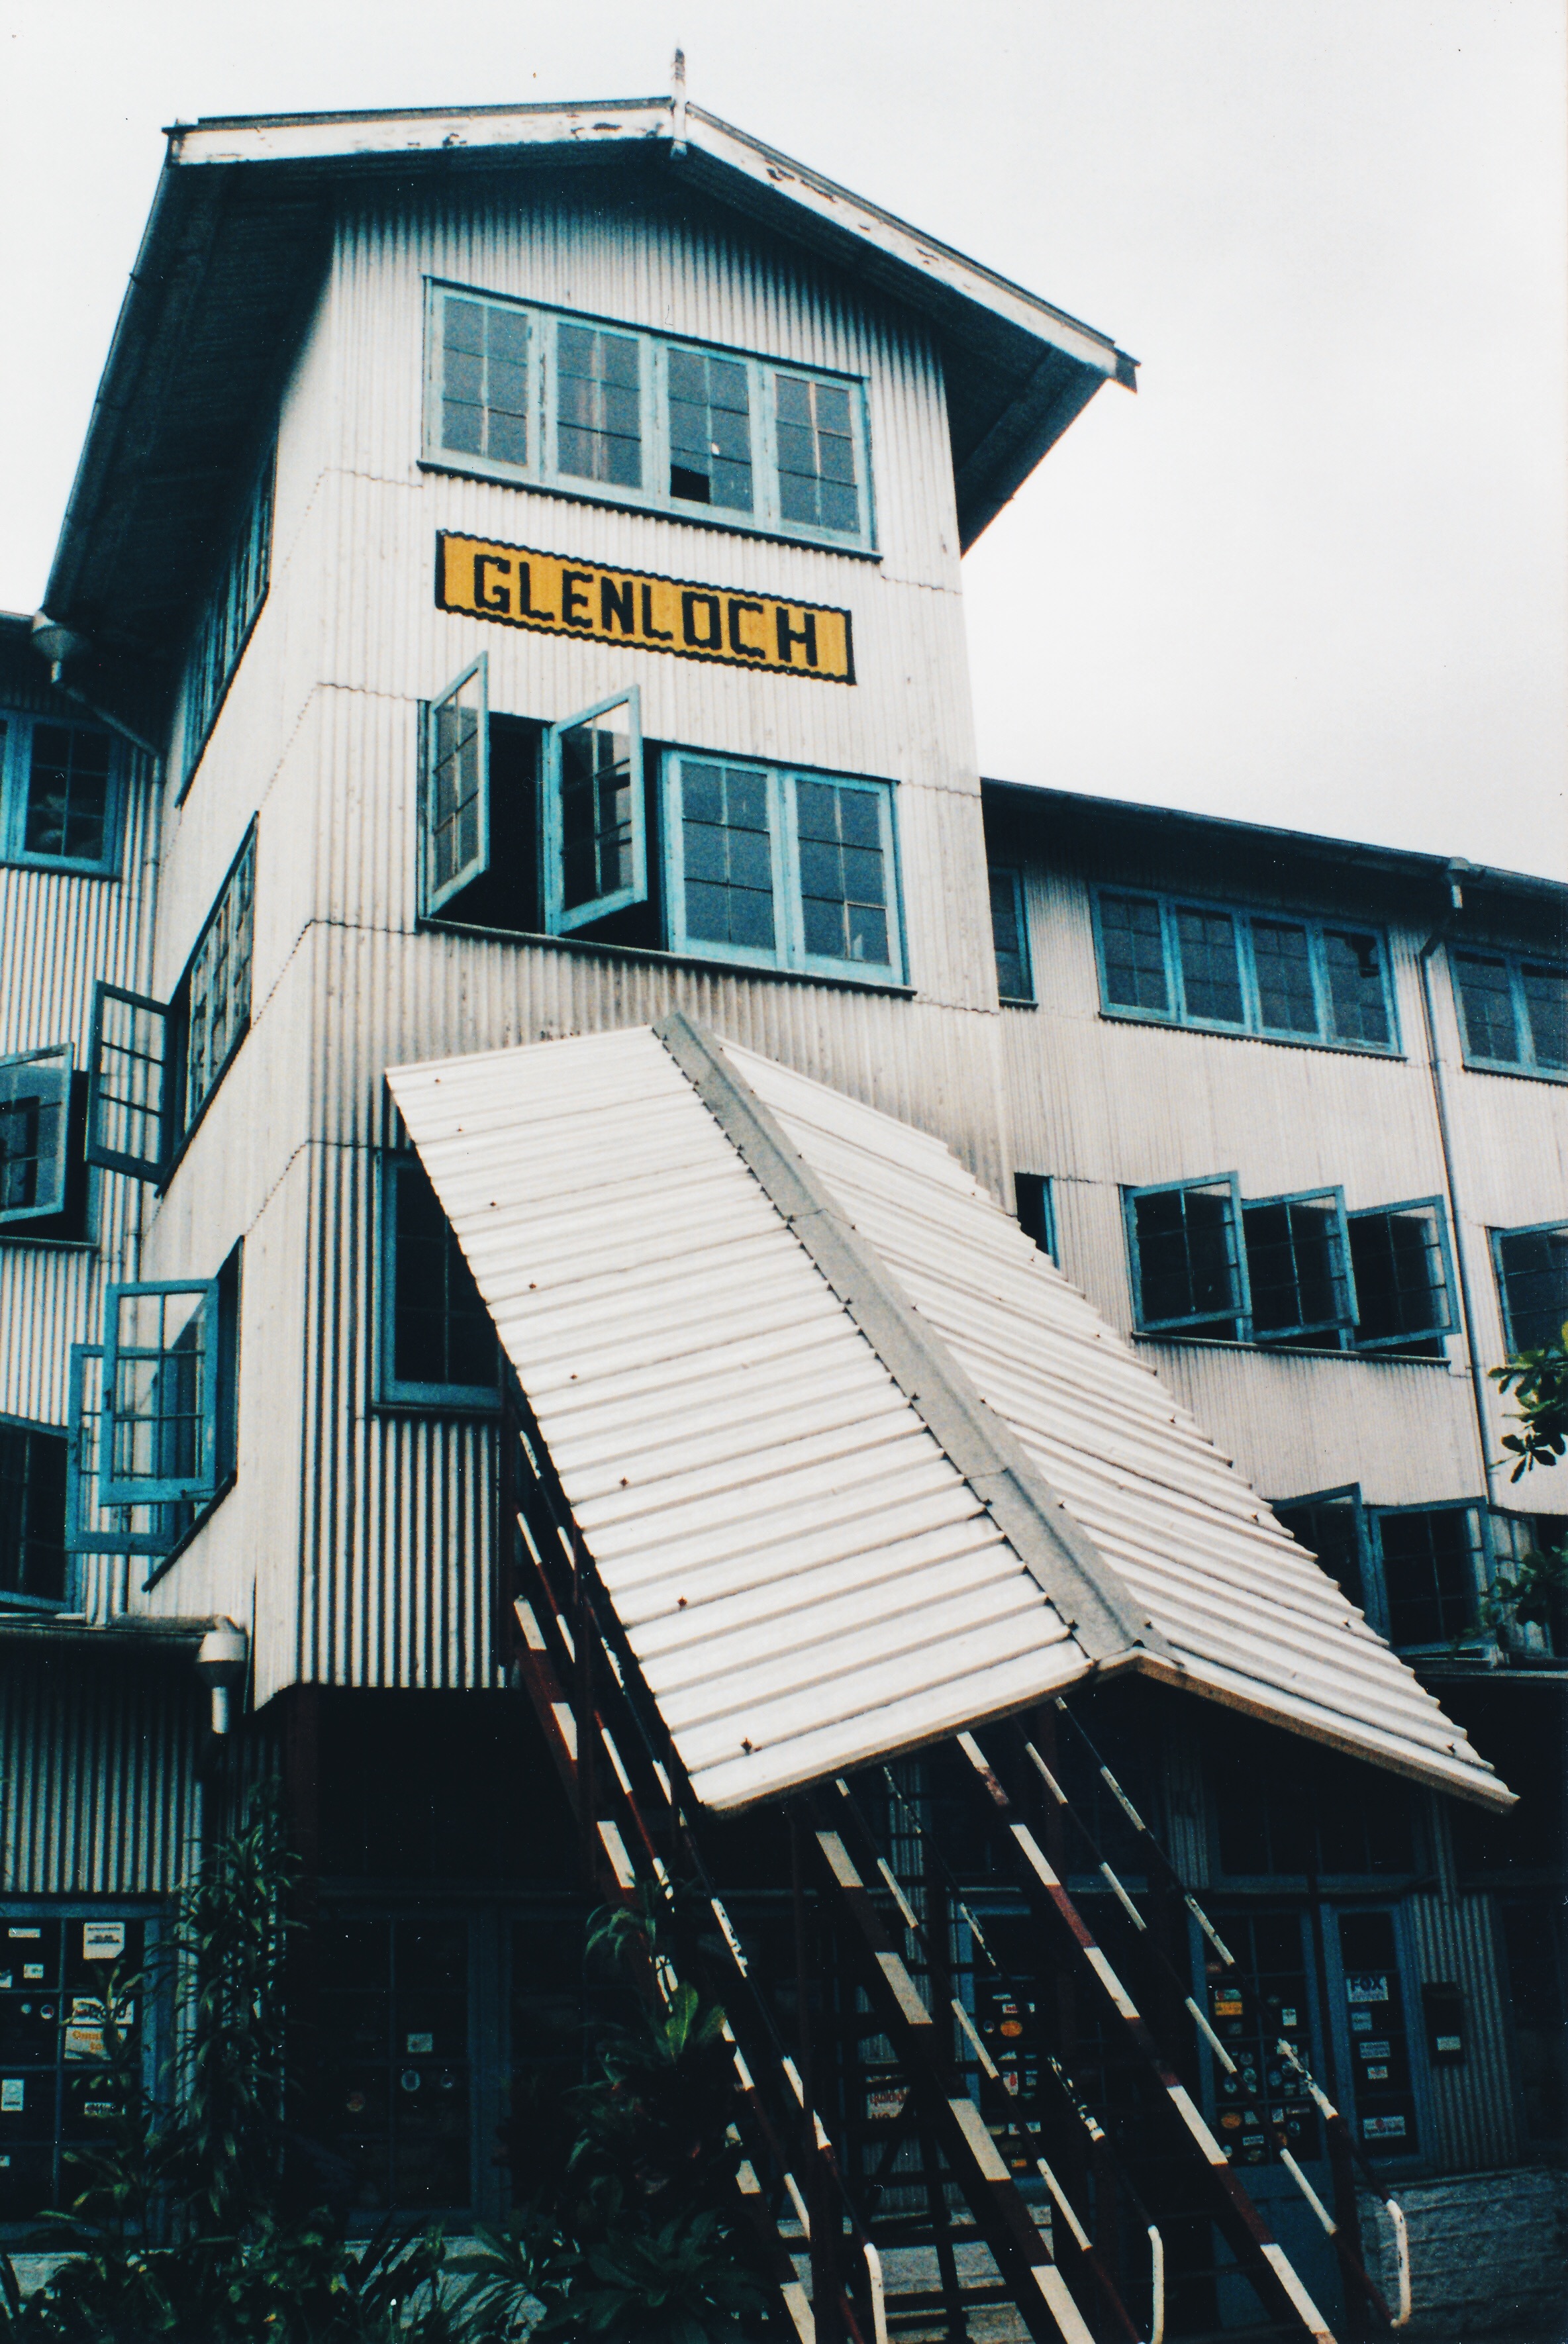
x=1316 y=573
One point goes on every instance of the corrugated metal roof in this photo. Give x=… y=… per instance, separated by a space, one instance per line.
x=814 y=1397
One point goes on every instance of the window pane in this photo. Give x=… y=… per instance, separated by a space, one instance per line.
x=1008 y=937
x=219 y=1004
x=1188 y=1268
x=1397 y=1258
x=727 y=856
x=455 y=816
x=1295 y=1267
x=1532 y=1268
x=236 y=596
x=709 y=430
x=1134 y=955
x=1286 y=1001
x=1355 y=998
x=1328 y=1529
x=68 y=806
x=1546 y=994
x=132 y=1079
x=1486 y=1007
x=1428 y=1574
x=1210 y=977
x=597 y=785
x=159 y=1395
x=843 y=877
x=32 y=1512
x=599 y=428
x=817 y=481
x=441 y=1331
x=34 y=1097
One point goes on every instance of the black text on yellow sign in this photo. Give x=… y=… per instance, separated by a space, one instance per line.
x=558 y=596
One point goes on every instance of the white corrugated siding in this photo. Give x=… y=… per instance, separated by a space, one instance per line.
x=548 y=1163
x=805 y=1578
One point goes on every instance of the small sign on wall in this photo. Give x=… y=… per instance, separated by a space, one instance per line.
x=640 y=610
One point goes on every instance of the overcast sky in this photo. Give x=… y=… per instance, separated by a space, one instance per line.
x=1315 y=573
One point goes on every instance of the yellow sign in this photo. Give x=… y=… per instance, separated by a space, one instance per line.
x=558 y=596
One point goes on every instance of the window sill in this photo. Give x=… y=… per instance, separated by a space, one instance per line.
x=1519 y=1074
x=17 y=1236
x=1291 y=1351
x=435 y=1402
x=707 y=517
x=650 y=956
x=60 y=863
x=1018 y=1001
x=1383 y=1050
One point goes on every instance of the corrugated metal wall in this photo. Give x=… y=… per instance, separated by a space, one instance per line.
x=98 y=1769
x=1474 y=2104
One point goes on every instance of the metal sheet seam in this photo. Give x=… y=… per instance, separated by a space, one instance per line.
x=1057 y=1553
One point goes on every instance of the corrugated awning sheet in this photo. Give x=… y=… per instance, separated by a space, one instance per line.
x=815 y=1560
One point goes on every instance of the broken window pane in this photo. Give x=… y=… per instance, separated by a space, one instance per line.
x=709 y=430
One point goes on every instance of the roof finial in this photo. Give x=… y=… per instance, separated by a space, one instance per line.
x=678 y=107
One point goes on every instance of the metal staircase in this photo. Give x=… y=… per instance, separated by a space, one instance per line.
x=915 y=2158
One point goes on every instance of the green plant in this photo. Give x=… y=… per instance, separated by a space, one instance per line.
x=1539 y=1382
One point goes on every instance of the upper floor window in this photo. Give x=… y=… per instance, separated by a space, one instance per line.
x=585 y=408
x=232 y=608
x=1037 y=1203
x=1418 y=1573
x=59 y=794
x=581 y=827
x=32 y=1513
x=34 y=1122
x=1010 y=935
x=153 y=1064
x=437 y=1346
x=1532 y=1267
x=1232 y=971
x=1512 y=1012
x=1297 y=1271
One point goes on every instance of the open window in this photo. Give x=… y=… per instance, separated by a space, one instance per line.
x=1532 y=1267
x=160 y=1392
x=1010 y=935
x=35 y=1135
x=1299 y=1268
x=457 y=786
x=1037 y=1207
x=1188 y=1261
x=1403 y=1282
x=596 y=818
x=31 y=1514
x=153 y=1064
x=1332 y=1526
x=91 y=1527
x=437 y=1342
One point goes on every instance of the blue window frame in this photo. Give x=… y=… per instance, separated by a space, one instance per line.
x=152 y=1066
x=1037 y=1210
x=780 y=869
x=1513 y=1013
x=1432 y=1569
x=33 y=1565
x=92 y=1528
x=1188 y=1260
x=588 y=407
x=34 y=1129
x=1403 y=1276
x=1299 y=1267
x=595 y=814
x=61 y=786
x=1179 y=961
x=159 y=1428
x=1010 y=935
x=456 y=783
x=437 y=1342
x=1532 y=1267
x=1331 y=1525
x=232 y=608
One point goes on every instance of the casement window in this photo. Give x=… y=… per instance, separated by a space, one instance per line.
x=58 y=2104
x=154 y=1410
x=437 y=1340
x=1298 y=1270
x=1037 y=1210
x=31 y=1514
x=1332 y=1526
x=154 y=1065
x=587 y=408
x=1531 y=1266
x=1189 y=1262
x=60 y=789
x=1432 y=1567
x=223 y=630
x=1513 y=1013
x=1010 y=935
x=37 y=1161
x=1403 y=1279
x=1229 y=970
x=582 y=828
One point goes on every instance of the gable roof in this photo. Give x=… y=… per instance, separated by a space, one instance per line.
x=856 y=1466
x=233 y=249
